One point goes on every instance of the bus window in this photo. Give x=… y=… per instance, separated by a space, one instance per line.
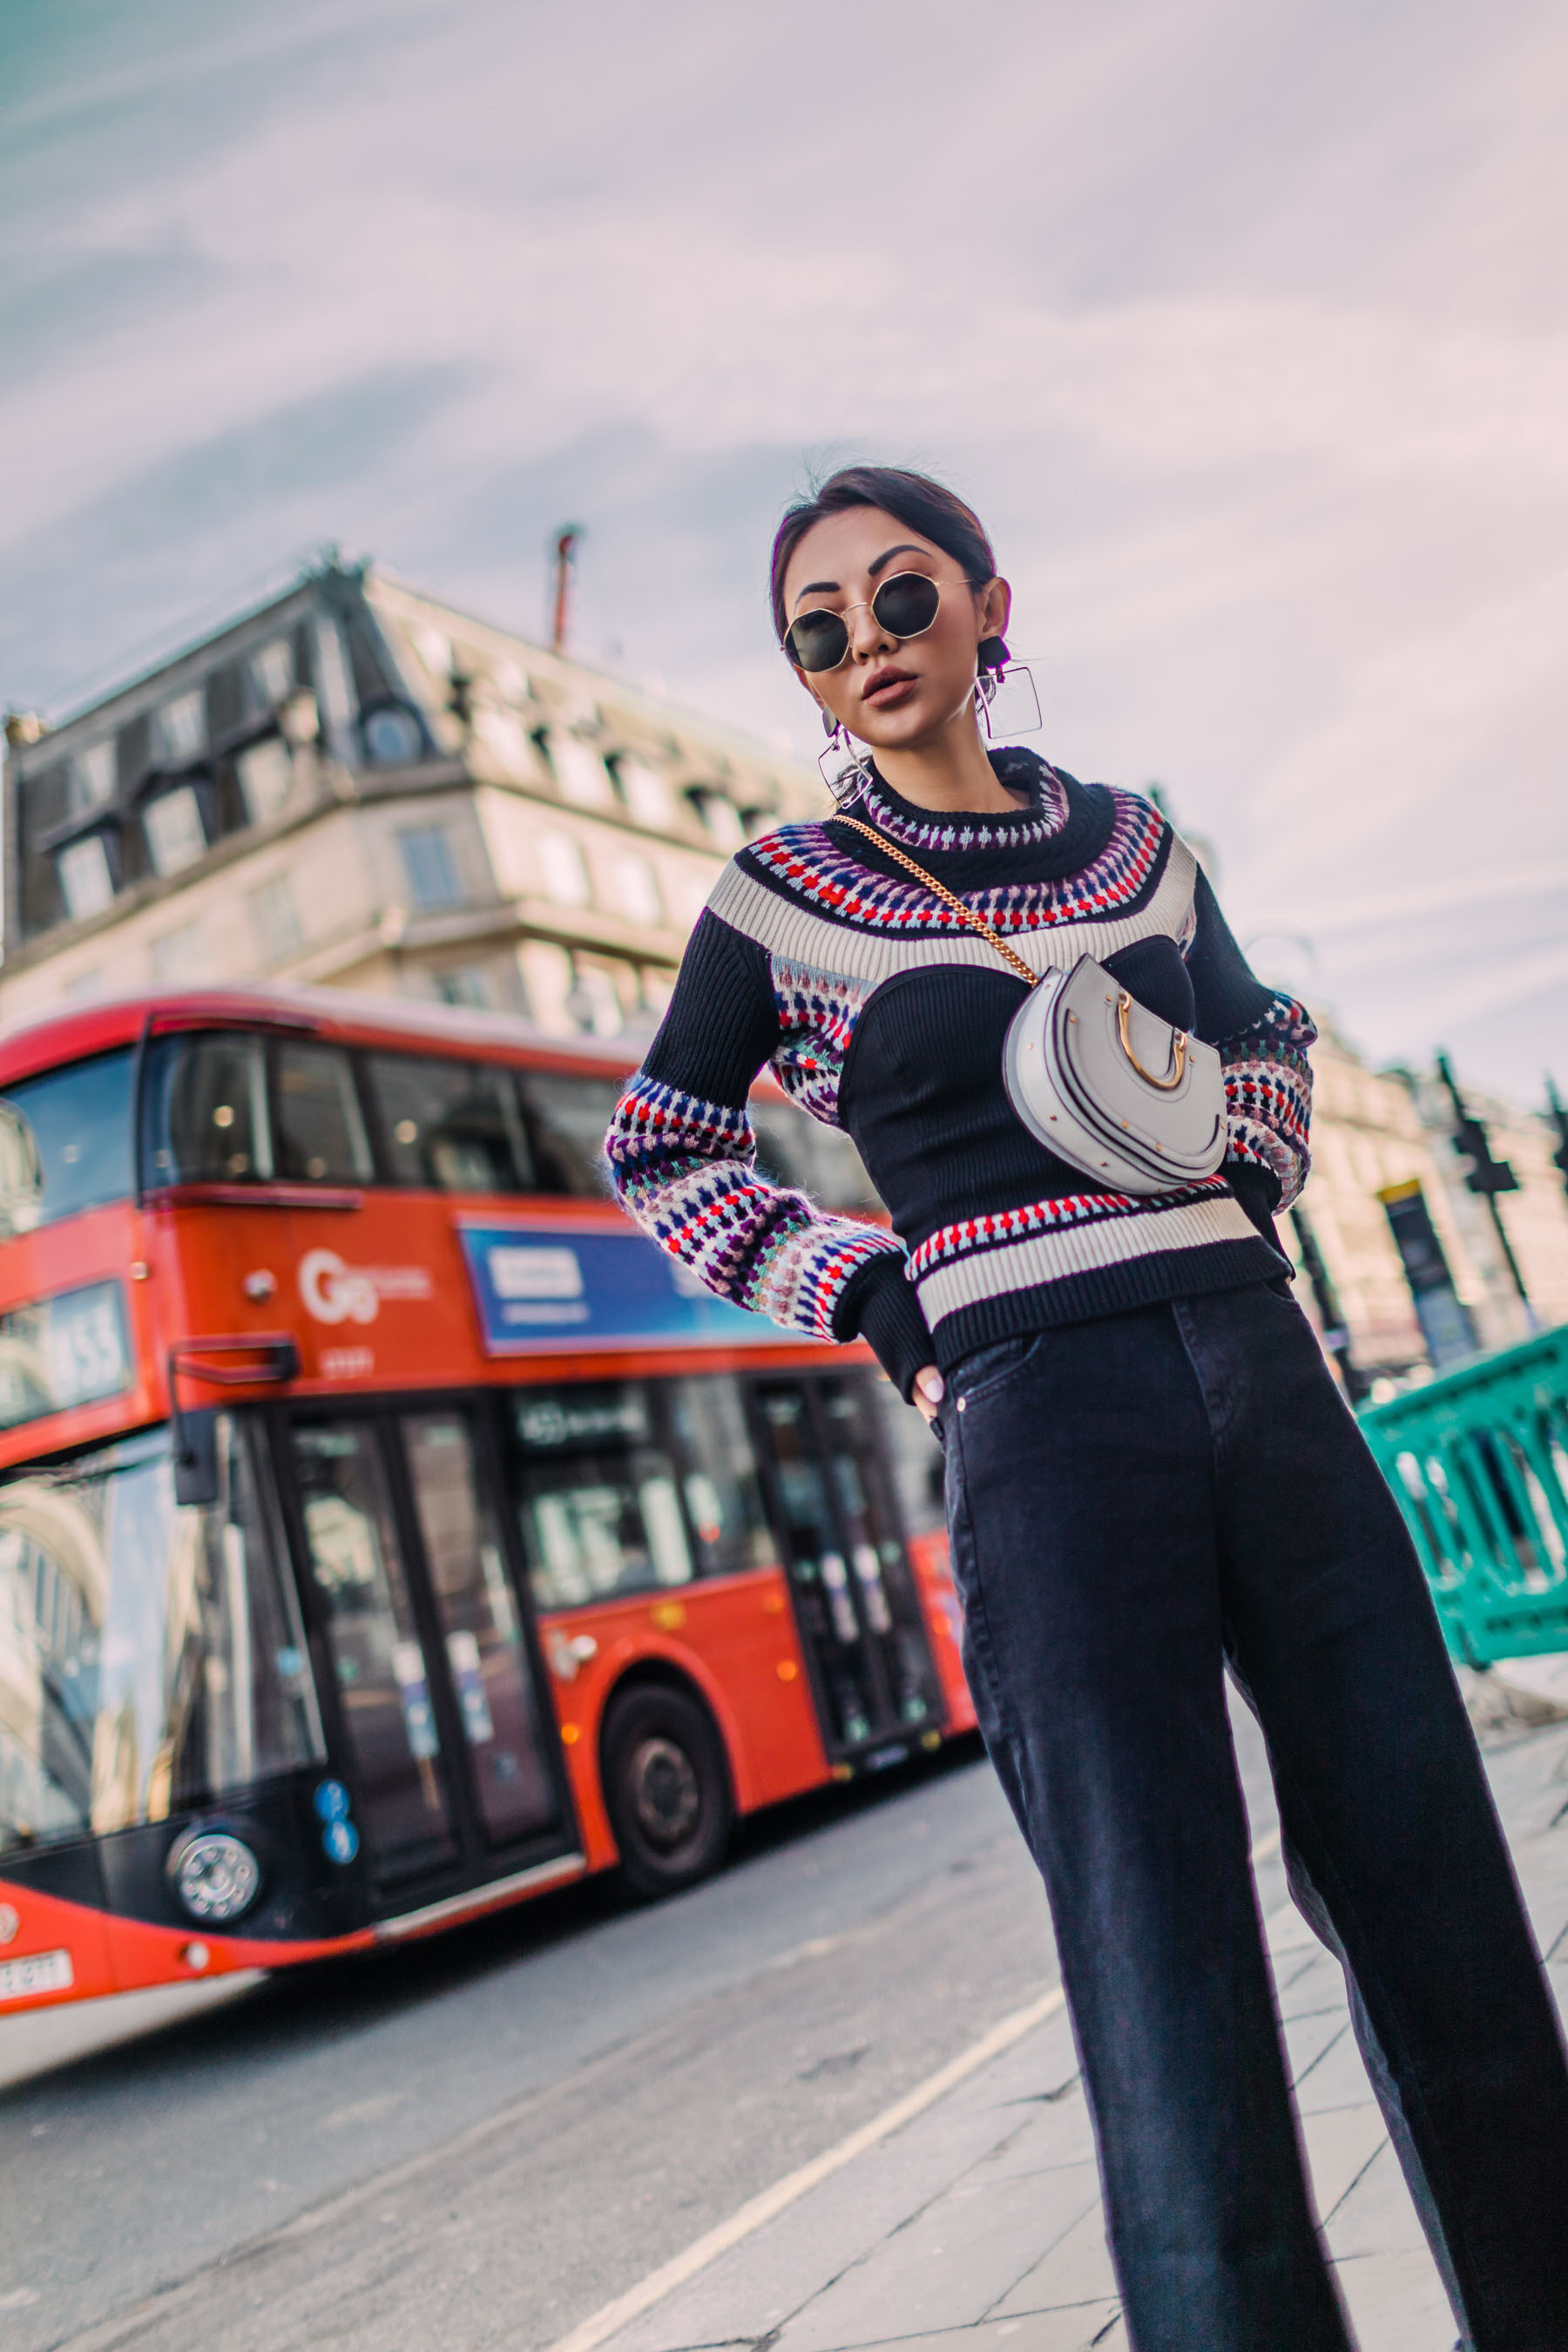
x=384 y=1686
x=453 y=1126
x=599 y=1519
x=318 y=1133
x=719 y=1477
x=479 y=1626
x=64 y=1143
x=916 y=1459
x=206 y=1118
x=796 y=1149
x=567 y=1116
x=150 y=1655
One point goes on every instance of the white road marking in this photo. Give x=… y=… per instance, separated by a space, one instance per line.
x=603 y=2323
x=761 y=2208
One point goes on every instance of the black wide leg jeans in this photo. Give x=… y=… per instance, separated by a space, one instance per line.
x=1133 y=1502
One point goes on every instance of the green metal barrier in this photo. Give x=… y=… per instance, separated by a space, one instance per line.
x=1479 y=1462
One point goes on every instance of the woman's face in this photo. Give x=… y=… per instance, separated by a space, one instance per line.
x=894 y=693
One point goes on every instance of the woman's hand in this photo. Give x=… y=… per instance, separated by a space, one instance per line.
x=928 y=1392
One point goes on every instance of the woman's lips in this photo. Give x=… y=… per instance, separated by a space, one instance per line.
x=885 y=688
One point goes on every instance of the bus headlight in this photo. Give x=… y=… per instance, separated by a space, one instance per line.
x=216 y=1876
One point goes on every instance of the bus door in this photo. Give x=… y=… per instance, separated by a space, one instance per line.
x=439 y=1692
x=856 y=1600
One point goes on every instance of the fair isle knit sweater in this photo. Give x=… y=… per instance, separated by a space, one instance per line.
x=881 y=1013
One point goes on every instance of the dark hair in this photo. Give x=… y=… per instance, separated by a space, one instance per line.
x=920 y=504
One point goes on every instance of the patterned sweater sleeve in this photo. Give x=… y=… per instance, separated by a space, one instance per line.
x=1263 y=1038
x=682 y=1160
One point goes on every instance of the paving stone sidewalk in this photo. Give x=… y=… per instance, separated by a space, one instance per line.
x=977 y=2226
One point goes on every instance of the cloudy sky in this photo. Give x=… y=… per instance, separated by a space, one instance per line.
x=1246 y=327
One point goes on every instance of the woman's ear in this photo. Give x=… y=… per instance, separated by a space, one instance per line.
x=996 y=608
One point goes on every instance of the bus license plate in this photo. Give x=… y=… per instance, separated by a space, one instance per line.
x=39 y=1972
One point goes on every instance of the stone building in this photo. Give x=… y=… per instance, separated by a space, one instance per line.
x=1376 y=1134
x=356 y=785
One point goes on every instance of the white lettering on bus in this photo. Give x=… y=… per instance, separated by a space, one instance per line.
x=531 y=1272
x=336 y=1293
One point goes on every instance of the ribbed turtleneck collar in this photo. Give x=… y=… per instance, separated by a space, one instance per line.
x=921 y=828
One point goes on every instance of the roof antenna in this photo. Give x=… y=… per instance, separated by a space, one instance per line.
x=566 y=540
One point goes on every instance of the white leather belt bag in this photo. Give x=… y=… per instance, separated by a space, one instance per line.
x=1116 y=1092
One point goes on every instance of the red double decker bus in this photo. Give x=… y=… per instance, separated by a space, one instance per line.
x=387 y=1531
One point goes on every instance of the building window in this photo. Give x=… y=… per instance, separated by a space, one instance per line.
x=562 y=870
x=265 y=773
x=593 y=1001
x=581 y=772
x=507 y=740
x=637 y=890
x=91 y=777
x=648 y=796
x=272 y=674
x=275 y=920
x=172 y=823
x=434 y=650
x=182 y=727
x=469 y=983
x=430 y=865
x=86 y=883
x=655 y=990
x=177 y=956
x=720 y=816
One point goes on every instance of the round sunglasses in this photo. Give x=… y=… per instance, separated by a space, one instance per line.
x=905 y=605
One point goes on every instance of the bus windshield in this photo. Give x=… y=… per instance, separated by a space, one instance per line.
x=65 y=1141
x=151 y=1654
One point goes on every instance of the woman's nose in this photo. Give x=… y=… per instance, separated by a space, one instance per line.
x=866 y=635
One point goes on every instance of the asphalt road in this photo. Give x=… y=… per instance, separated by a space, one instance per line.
x=480 y=2140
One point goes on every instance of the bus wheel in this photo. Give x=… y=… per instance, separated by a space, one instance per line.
x=667 y=1788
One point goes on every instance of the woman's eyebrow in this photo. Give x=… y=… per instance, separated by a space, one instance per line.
x=904 y=547
x=830 y=587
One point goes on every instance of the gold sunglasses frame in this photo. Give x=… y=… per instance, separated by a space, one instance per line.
x=866 y=604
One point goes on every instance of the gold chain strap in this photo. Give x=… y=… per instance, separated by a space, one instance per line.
x=941 y=890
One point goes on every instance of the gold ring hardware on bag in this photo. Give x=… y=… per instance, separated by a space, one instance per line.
x=1178 y=1049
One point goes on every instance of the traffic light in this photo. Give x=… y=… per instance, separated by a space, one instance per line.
x=1486 y=1174
x=1488 y=1177
x=1559 y=1117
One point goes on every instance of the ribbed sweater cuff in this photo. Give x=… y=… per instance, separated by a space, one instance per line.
x=1258 y=1189
x=879 y=1306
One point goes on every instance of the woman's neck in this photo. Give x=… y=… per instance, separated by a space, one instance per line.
x=949 y=772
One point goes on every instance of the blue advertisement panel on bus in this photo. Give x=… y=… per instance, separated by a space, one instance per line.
x=537 y=1284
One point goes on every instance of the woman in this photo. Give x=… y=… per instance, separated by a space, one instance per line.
x=1150 y=1470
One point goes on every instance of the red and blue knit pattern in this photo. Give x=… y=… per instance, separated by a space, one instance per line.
x=1269 y=1095
x=684 y=1171
x=817 y=1013
x=804 y=861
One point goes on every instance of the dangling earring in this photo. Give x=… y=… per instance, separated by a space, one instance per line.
x=842 y=768
x=1006 y=702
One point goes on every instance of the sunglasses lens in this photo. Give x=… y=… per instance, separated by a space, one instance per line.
x=906 y=604
x=817 y=640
